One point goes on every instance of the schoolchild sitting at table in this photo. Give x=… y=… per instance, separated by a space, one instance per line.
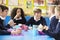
x=37 y=19
x=4 y=29
x=54 y=28
x=17 y=16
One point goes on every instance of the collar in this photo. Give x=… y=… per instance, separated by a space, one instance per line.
x=3 y=18
x=51 y=17
x=36 y=19
x=19 y=18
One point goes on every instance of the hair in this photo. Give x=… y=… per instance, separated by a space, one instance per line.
x=57 y=8
x=3 y=7
x=37 y=10
x=14 y=10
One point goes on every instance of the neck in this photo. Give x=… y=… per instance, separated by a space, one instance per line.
x=3 y=18
x=57 y=17
x=36 y=18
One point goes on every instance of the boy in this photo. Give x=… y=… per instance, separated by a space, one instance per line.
x=54 y=29
x=51 y=12
x=4 y=29
x=37 y=19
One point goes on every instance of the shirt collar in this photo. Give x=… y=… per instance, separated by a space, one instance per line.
x=3 y=18
x=51 y=17
x=19 y=18
x=35 y=18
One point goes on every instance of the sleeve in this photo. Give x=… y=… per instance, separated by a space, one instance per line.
x=2 y=27
x=8 y=26
x=52 y=24
x=58 y=28
x=52 y=28
x=4 y=32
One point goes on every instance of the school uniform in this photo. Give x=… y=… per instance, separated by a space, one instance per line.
x=54 y=28
x=3 y=29
x=33 y=21
x=19 y=21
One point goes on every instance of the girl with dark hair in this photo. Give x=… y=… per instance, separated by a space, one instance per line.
x=17 y=15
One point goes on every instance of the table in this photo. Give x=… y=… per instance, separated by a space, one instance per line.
x=26 y=35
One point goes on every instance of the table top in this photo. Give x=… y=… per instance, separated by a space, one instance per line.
x=26 y=35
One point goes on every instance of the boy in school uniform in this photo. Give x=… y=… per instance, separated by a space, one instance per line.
x=54 y=29
x=37 y=19
x=4 y=29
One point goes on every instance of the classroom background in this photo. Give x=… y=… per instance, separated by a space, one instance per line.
x=27 y=5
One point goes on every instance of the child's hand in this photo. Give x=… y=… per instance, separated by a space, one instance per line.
x=40 y=27
x=11 y=23
x=18 y=31
x=46 y=28
x=17 y=16
x=13 y=32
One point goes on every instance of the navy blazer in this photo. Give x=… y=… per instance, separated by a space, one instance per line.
x=3 y=29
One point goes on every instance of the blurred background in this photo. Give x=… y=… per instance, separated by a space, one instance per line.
x=27 y=5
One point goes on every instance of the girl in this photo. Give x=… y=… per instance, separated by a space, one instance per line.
x=17 y=15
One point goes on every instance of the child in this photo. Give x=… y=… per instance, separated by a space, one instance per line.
x=54 y=29
x=4 y=29
x=51 y=12
x=37 y=19
x=17 y=16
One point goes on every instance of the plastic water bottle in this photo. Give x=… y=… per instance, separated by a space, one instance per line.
x=35 y=32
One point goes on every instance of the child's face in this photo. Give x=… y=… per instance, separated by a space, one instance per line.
x=50 y=10
x=18 y=12
x=4 y=13
x=37 y=14
x=57 y=14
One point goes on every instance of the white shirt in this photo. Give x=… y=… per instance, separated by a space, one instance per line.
x=35 y=18
x=3 y=18
x=51 y=17
x=19 y=18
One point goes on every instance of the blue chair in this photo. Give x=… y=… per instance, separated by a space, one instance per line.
x=27 y=17
x=47 y=21
x=7 y=20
